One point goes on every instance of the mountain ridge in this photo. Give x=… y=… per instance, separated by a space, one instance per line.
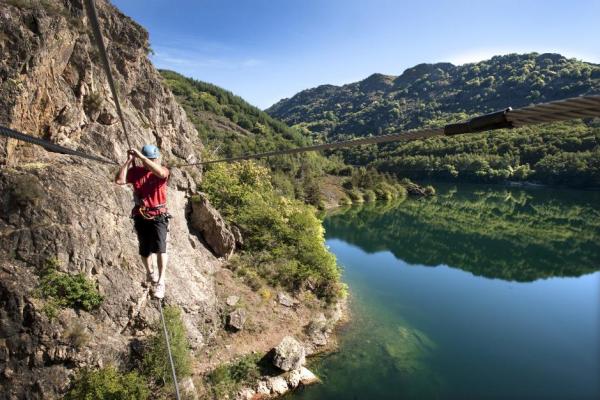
x=386 y=103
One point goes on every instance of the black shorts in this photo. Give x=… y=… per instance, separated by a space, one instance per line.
x=152 y=234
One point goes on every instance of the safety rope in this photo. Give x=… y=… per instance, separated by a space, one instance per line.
x=162 y=318
x=93 y=16
x=53 y=147
x=561 y=110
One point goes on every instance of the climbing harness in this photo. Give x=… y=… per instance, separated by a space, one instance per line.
x=145 y=210
x=166 y=333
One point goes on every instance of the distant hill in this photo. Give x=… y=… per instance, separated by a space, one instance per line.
x=227 y=122
x=424 y=93
x=565 y=153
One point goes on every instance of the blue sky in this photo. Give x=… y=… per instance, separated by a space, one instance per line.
x=265 y=50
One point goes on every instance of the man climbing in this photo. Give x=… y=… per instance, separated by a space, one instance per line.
x=149 y=214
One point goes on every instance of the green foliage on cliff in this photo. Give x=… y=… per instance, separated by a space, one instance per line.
x=65 y=290
x=220 y=116
x=283 y=236
x=229 y=126
x=108 y=384
x=156 y=361
x=226 y=379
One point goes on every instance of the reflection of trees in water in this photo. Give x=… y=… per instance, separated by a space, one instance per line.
x=510 y=234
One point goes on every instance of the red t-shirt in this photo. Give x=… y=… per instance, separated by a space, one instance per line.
x=150 y=190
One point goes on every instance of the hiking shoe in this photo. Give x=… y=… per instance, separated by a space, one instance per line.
x=158 y=290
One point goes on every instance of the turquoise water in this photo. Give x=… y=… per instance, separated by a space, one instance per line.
x=481 y=292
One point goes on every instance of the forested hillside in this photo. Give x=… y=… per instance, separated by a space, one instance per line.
x=435 y=94
x=229 y=126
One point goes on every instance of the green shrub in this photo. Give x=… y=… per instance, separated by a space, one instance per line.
x=156 y=361
x=64 y=290
x=108 y=384
x=227 y=379
x=285 y=234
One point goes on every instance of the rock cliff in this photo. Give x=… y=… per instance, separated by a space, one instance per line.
x=60 y=207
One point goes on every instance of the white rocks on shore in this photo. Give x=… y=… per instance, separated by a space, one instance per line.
x=289 y=354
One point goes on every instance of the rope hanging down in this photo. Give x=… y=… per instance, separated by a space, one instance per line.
x=93 y=16
x=164 y=325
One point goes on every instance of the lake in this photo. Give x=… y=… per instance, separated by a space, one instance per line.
x=479 y=292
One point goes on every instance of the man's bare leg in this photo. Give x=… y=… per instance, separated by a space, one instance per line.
x=147 y=261
x=162 y=259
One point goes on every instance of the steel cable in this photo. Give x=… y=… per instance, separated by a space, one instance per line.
x=164 y=325
x=93 y=16
x=561 y=110
x=53 y=147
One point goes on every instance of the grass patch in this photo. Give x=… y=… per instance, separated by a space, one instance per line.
x=227 y=379
x=108 y=384
x=156 y=362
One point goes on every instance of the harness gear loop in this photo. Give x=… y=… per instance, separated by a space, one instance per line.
x=144 y=211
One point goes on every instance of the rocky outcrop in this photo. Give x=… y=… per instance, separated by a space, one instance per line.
x=289 y=354
x=205 y=219
x=237 y=319
x=57 y=206
x=276 y=386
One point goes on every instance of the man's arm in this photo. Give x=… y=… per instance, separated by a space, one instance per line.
x=157 y=169
x=121 y=177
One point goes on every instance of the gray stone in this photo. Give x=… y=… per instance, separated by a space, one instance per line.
x=245 y=394
x=278 y=385
x=207 y=220
x=289 y=354
x=237 y=319
x=188 y=389
x=262 y=388
x=307 y=377
x=237 y=234
x=232 y=300
x=285 y=300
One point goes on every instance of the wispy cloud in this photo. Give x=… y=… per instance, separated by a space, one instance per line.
x=197 y=54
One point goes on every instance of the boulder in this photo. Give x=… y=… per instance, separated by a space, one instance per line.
x=262 y=388
x=307 y=377
x=285 y=300
x=188 y=389
x=232 y=300
x=237 y=234
x=206 y=219
x=317 y=330
x=289 y=354
x=245 y=394
x=293 y=378
x=237 y=319
x=278 y=385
